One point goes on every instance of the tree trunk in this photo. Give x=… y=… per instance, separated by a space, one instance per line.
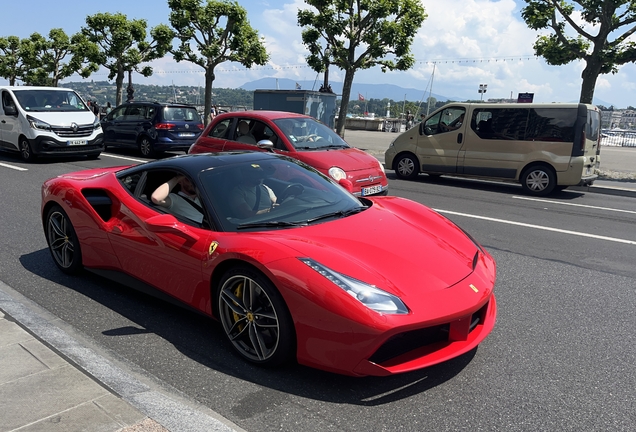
x=590 y=75
x=119 y=82
x=209 y=80
x=344 y=102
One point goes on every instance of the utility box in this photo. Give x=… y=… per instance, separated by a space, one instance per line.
x=321 y=106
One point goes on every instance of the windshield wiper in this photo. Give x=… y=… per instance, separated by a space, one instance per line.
x=339 y=213
x=271 y=224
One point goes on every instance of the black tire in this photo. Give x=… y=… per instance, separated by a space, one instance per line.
x=538 y=180
x=256 y=321
x=62 y=240
x=406 y=166
x=145 y=147
x=26 y=151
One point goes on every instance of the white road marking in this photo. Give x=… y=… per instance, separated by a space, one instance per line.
x=544 y=228
x=574 y=205
x=17 y=168
x=124 y=158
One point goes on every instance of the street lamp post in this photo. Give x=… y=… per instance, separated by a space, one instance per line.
x=326 y=88
x=130 y=90
x=482 y=90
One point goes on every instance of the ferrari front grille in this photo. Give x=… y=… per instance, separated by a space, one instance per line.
x=403 y=343
x=408 y=341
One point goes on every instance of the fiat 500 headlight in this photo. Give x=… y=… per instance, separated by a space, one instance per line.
x=337 y=173
x=369 y=295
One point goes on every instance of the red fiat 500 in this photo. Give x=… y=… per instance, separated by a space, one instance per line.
x=298 y=136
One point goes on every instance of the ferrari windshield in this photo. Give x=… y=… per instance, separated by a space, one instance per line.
x=307 y=134
x=274 y=194
x=43 y=100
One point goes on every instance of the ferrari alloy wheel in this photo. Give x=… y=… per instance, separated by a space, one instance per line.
x=406 y=166
x=538 y=180
x=145 y=147
x=62 y=241
x=26 y=151
x=254 y=317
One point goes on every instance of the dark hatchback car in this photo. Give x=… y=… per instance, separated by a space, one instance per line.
x=152 y=127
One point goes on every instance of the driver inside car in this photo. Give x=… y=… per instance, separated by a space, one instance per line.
x=250 y=196
x=183 y=202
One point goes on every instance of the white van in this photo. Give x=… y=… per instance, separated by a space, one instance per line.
x=545 y=147
x=48 y=121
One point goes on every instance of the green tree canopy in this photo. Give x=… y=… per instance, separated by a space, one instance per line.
x=360 y=34
x=50 y=61
x=122 y=45
x=212 y=32
x=592 y=23
x=11 y=65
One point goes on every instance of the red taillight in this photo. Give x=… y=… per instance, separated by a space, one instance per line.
x=164 y=126
x=200 y=126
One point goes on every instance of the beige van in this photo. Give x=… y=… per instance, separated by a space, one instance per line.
x=545 y=147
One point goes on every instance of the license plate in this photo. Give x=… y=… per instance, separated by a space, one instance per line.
x=186 y=134
x=371 y=190
x=76 y=142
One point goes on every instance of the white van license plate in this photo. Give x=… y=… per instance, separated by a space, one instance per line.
x=371 y=190
x=76 y=142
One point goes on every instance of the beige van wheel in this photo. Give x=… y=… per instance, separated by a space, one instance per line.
x=406 y=166
x=538 y=180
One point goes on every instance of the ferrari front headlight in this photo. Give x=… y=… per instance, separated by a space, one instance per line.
x=369 y=295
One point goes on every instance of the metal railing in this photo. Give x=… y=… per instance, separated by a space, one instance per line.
x=618 y=138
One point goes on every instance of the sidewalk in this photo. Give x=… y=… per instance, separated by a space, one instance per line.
x=50 y=382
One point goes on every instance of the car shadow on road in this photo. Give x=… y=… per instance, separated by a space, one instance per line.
x=483 y=185
x=201 y=339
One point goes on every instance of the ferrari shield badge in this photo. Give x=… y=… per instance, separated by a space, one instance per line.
x=213 y=247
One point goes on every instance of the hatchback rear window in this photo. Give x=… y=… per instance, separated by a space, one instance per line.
x=181 y=114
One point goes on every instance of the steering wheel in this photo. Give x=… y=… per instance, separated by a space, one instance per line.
x=293 y=190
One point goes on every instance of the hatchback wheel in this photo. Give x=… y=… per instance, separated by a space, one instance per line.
x=26 y=152
x=145 y=147
x=254 y=317
x=62 y=240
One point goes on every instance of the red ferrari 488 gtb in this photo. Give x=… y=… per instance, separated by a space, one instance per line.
x=292 y=265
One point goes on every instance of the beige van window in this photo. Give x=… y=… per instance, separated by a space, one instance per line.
x=447 y=120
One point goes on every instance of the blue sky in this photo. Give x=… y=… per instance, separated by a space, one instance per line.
x=471 y=42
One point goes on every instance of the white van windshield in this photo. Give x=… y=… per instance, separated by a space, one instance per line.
x=43 y=100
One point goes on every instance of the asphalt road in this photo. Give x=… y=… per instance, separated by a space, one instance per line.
x=561 y=355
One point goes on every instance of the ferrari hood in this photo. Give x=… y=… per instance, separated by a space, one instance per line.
x=390 y=246
x=349 y=159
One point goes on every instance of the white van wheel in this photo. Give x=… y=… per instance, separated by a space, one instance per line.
x=538 y=180
x=406 y=167
x=26 y=151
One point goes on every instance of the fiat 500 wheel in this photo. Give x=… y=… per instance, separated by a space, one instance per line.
x=538 y=180
x=62 y=241
x=254 y=317
x=406 y=166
